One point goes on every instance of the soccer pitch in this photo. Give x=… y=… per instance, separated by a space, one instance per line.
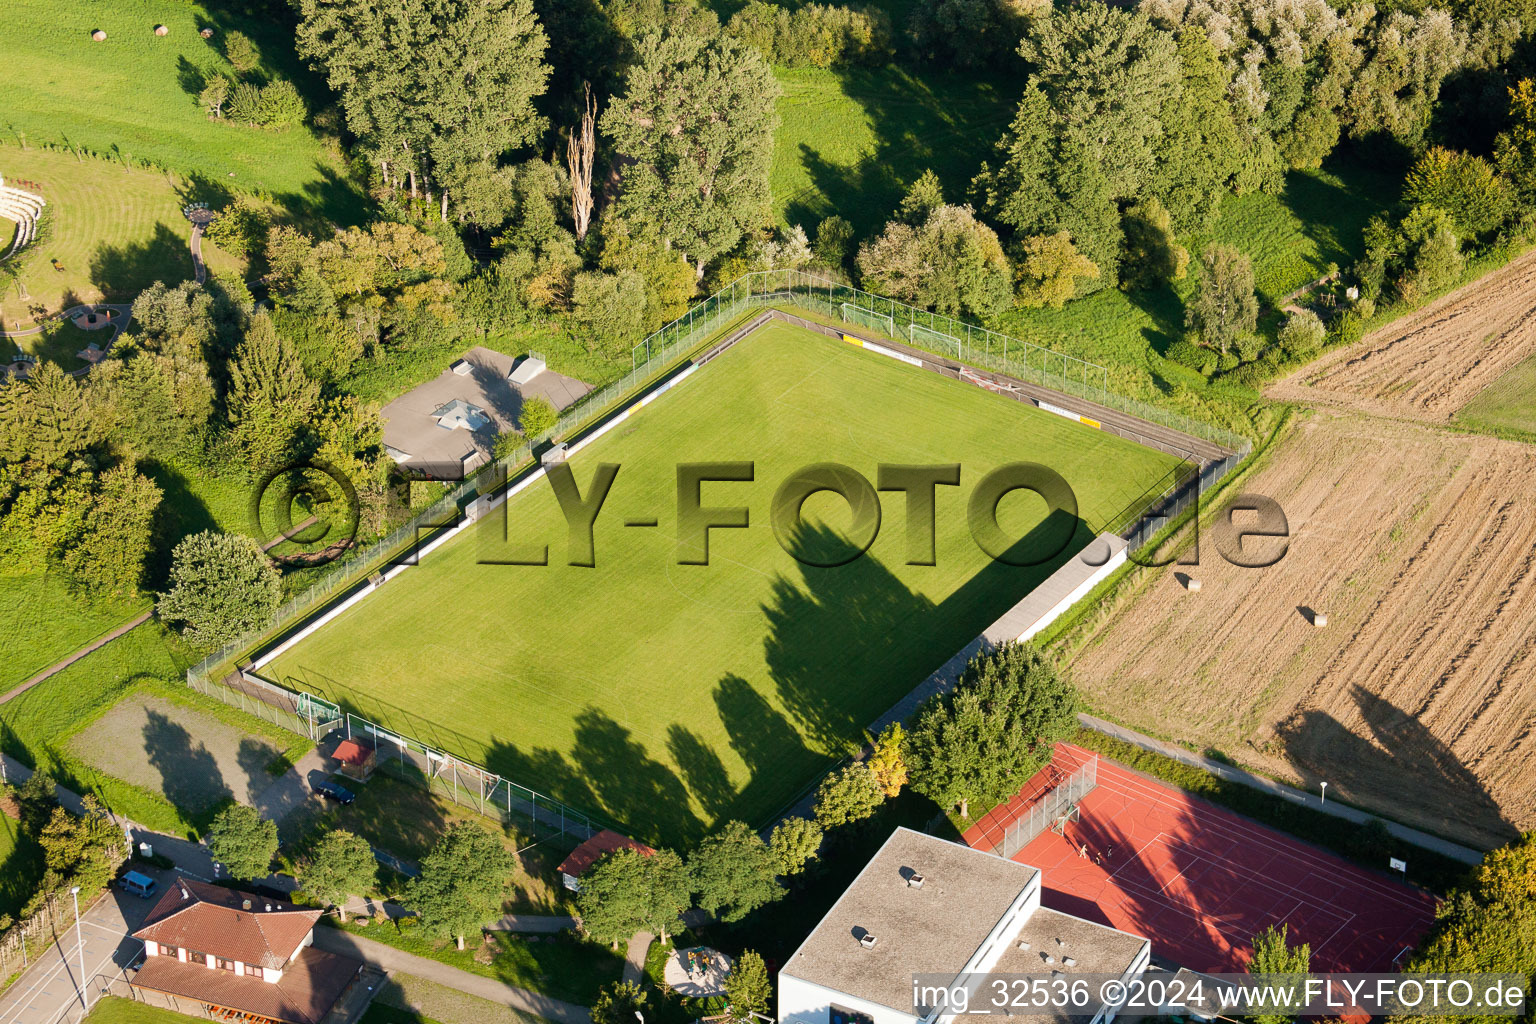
x=669 y=697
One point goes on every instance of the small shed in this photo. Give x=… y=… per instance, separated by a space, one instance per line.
x=357 y=760
x=593 y=850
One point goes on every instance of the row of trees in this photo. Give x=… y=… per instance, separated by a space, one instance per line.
x=979 y=742
x=84 y=850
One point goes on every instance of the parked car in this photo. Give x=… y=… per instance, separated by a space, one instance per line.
x=333 y=791
x=140 y=885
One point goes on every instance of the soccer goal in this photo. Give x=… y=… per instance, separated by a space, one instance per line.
x=934 y=341
x=869 y=318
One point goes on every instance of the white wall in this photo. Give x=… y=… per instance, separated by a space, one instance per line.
x=803 y=1002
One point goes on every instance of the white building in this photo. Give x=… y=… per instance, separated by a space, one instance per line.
x=926 y=906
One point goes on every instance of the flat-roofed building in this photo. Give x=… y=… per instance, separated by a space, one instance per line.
x=924 y=906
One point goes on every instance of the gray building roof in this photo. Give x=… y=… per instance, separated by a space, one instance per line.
x=928 y=930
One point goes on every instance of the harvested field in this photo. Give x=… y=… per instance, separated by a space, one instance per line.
x=194 y=759
x=1418 y=699
x=1429 y=364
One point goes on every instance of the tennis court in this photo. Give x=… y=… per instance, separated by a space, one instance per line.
x=1201 y=881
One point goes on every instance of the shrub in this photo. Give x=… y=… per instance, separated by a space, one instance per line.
x=537 y=417
x=610 y=307
x=1187 y=353
x=277 y=106
x=1302 y=334
x=240 y=228
x=834 y=241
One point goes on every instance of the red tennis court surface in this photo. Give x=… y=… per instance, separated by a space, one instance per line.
x=1200 y=881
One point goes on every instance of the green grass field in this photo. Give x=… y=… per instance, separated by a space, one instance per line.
x=116 y=1010
x=135 y=94
x=113 y=230
x=1507 y=406
x=48 y=622
x=1318 y=219
x=670 y=696
x=851 y=142
x=21 y=865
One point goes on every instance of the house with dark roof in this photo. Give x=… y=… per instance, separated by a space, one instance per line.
x=590 y=852
x=928 y=908
x=238 y=953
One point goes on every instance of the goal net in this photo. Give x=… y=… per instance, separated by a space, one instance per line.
x=869 y=318
x=933 y=341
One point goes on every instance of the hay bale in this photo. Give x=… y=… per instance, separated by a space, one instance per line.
x=99 y=36
x=206 y=33
x=161 y=30
x=1319 y=619
x=1192 y=585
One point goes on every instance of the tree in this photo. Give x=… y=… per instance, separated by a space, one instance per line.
x=834 y=241
x=1429 y=253
x=629 y=892
x=925 y=195
x=507 y=443
x=214 y=94
x=462 y=882
x=109 y=557
x=223 y=586
x=343 y=866
x=581 y=149
x=611 y=307
x=241 y=53
x=1488 y=924
x=432 y=84
x=888 y=760
x=1303 y=333
x=748 y=989
x=36 y=799
x=1464 y=186
x=1284 y=969
x=87 y=849
x=848 y=796
x=1150 y=257
x=243 y=841
x=1515 y=149
x=794 y=843
x=694 y=134
x=734 y=873
x=618 y=1002
x=987 y=736
x=1224 y=307
x=1198 y=152
x=270 y=396
x=1048 y=269
x=952 y=263
x=537 y=417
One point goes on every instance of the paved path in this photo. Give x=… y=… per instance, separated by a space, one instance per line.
x=94 y=645
x=634 y=957
x=333 y=940
x=1465 y=854
x=49 y=988
x=533 y=924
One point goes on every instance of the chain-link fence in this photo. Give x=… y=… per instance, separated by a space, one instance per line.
x=1049 y=809
x=469 y=784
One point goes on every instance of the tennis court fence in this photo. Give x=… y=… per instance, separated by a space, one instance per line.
x=1049 y=810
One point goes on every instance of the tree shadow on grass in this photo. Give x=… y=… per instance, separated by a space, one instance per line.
x=122 y=271
x=940 y=121
x=703 y=771
x=180 y=513
x=329 y=202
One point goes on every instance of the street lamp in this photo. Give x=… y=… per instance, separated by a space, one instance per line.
x=1325 y=793
x=80 y=943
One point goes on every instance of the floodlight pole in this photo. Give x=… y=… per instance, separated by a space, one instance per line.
x=1325 y=793
x=74 y=892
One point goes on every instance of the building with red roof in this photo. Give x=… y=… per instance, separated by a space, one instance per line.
x=590 y=852
x=239 y=953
